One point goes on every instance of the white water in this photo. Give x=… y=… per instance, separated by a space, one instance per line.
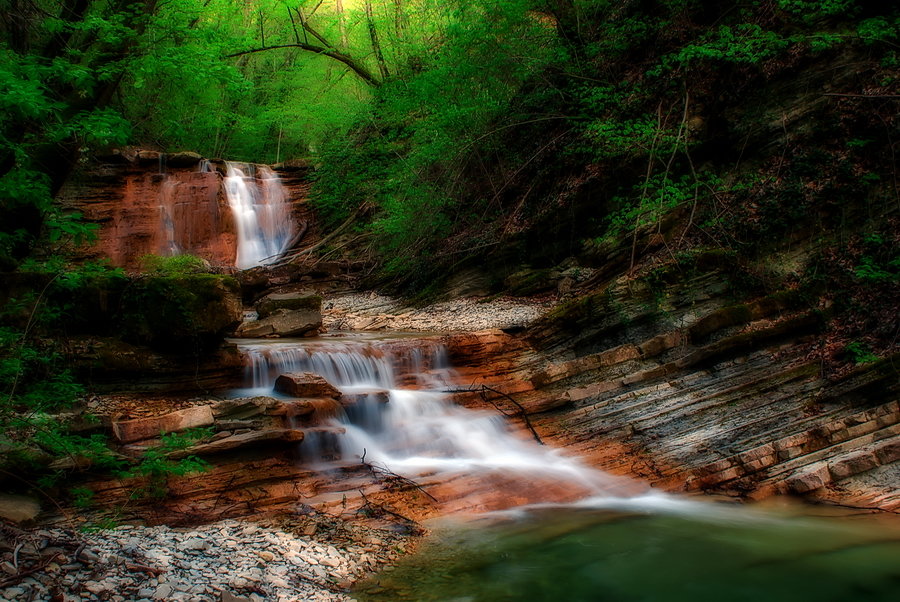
x=262 y=215
x=418 y=430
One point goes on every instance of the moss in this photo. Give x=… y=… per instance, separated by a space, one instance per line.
x=167 y=310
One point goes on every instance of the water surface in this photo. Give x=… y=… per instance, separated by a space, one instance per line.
x=589 y=554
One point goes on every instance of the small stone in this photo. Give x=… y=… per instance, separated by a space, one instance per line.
x=88 y=556
x=266 y=555
x=163 y=592
x=195 y=544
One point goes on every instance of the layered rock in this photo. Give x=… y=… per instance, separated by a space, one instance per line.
x=690 y=392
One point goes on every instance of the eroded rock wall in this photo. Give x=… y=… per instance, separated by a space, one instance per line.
x=146 y=202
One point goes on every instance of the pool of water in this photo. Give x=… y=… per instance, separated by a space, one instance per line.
x=695 y=552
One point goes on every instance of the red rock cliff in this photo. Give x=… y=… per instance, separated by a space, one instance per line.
x=145 y=204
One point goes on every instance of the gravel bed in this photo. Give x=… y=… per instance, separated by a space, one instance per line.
x=228 y=561
x=372 y=311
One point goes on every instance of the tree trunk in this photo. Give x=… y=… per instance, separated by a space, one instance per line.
x=376 y=46
x=342 y=25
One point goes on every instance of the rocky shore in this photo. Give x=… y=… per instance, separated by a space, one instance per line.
x=308 y=557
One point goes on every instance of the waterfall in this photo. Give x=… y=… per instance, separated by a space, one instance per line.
x=410 y=426
x=262 y=215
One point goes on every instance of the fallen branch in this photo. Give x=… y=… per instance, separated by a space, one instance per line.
x=522 y=413
x=337 y=232
x=142 y=568
x=382 y=472
x=22 y=574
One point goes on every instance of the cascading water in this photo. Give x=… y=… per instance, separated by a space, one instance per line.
x=262 y=215
x=594 y=537
x=418 y=430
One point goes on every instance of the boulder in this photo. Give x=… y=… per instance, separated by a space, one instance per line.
x=305 y=384
x=169 y=311
x=269 y=304
x=18 y=508
x=183 y=159
x=283 y=323
x=147 y=428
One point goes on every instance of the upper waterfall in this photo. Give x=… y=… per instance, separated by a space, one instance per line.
x=261 y=212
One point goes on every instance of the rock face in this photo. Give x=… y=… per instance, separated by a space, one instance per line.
x=141 y=210
x=18 y=508
x=147 y=428
x=146 y=202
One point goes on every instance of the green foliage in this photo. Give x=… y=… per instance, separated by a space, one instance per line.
x=652 y=199
x=860 y=353
x=156 y=467
x=880 y=263
x=814 y=9
x=744 y=43
x=82 y=497
x=177 y=265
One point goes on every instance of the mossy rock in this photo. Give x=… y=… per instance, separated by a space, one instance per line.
x=165 y=311
x=269 y=304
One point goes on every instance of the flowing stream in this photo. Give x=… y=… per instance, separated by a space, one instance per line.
x=403 y=420
x=615 y=540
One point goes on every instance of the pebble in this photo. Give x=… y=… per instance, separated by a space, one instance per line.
x=211 y=563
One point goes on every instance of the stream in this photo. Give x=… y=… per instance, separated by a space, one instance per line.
x=544 y=526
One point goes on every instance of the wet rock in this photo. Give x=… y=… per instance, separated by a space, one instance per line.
x=243 y=408
x=305 y=384
x=247 y=439
x=147 y=157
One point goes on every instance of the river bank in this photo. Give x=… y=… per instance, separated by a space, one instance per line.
x=306 y=556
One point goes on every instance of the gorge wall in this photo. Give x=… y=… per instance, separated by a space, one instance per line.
x=147 y=202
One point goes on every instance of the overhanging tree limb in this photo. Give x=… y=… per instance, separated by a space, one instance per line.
x=354 y=66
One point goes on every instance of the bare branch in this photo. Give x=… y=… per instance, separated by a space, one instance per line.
x=360 y=70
